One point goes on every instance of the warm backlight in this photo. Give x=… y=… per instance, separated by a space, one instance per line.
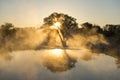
x=57 y=24
x=57 y=52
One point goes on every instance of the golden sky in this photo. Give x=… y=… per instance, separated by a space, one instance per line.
x=24 y=13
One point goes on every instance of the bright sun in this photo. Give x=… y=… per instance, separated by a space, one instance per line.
x=57 y=24
x=57 y=52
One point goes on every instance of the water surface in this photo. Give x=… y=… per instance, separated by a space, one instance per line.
x=55 y=64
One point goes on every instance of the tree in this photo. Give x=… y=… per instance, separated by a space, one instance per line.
x=91 y=29
x=68 y=23
x=7 y=30
x=98 y=28
x=112 y=30
x=87 y=25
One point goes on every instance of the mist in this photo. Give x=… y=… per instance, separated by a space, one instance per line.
x=60 y=51
x=90 y=37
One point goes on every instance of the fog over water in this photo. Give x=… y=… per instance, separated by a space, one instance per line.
x=60 y=50
x=35 y=65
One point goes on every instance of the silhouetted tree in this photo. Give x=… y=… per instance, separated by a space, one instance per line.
x=87 y=25
x=98 y=28
x=7 y=30
x=68 y=23
x=90 y=29
x=112 y=30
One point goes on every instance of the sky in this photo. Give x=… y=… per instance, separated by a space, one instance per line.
x=27 y=13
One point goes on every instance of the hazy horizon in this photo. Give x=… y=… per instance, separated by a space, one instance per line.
x=24 y=13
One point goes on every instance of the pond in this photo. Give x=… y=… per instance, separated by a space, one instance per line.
x=58 y=64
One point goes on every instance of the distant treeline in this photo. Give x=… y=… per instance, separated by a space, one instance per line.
x=109 y=30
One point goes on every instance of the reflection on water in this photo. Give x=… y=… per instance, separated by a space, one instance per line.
x=56 y=64
x=57 y=60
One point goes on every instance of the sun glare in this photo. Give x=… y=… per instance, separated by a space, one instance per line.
x=57 y=24
x=57 y=52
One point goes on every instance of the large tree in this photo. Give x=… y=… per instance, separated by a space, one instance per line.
x=68 y=23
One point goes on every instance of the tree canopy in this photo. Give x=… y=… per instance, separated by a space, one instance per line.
x=68 y=23
x=7 y=29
